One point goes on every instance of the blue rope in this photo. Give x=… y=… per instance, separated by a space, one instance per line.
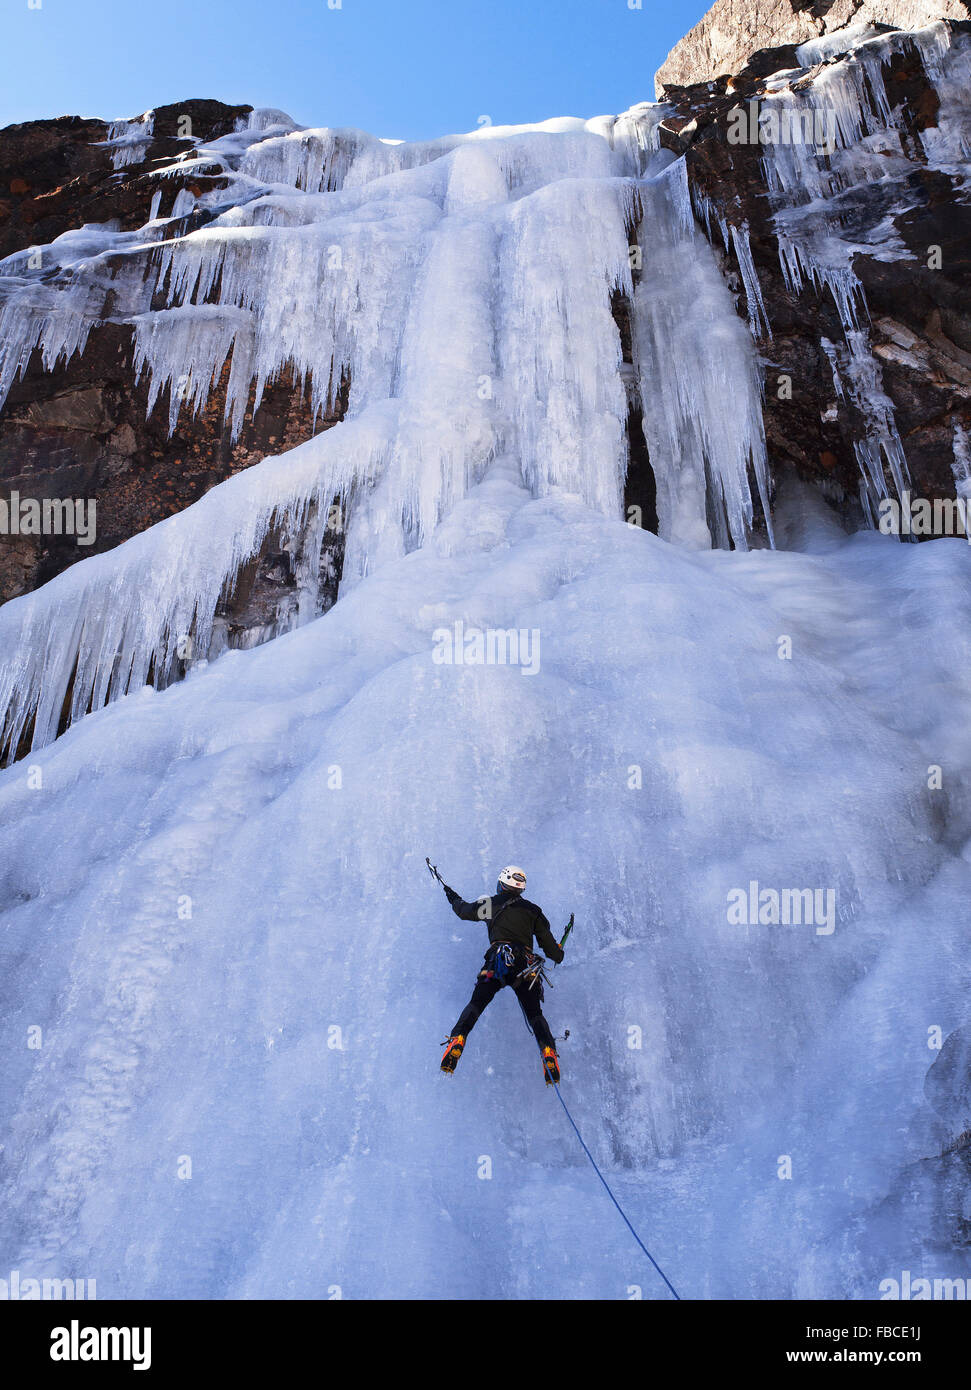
x=614 y=1199
x=601 y=1176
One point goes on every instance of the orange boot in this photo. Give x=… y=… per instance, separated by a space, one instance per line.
x=551 y=1066
x=453 y=1052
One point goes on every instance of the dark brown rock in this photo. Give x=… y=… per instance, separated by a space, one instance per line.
x=82 y=432
x=55 y=175
x=921 y=316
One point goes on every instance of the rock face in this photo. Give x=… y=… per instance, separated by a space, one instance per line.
x=903 y=229
x=84 y=430
x=733 y=30
x=59 y=174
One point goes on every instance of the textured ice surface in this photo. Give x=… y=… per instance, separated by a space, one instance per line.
x=213 y=900
x=323 y=1157
x=128 y=140
x=831 y=46
x=465 y=289
x=699 y=377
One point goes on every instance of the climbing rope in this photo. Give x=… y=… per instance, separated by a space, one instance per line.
x=613 y=1198
x=601 y=1176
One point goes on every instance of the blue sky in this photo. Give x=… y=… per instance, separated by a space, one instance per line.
x=409 y=69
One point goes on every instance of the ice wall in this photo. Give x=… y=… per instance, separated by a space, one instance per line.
x=699 y=377
x=238 y=961
x=464 y=287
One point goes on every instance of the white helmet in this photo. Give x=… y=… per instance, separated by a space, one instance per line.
x=513 y=877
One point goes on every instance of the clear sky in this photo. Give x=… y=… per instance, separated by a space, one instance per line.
x=409 y=69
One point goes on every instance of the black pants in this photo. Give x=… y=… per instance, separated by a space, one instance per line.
x=486 y=989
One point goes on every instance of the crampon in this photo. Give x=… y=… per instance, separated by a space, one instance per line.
x=551 y=1066
x=453 y=1051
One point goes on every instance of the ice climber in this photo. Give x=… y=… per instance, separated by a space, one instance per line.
x=513 y=921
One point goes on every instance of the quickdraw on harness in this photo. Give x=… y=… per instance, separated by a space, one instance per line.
x=503 y=962
x=534 y=973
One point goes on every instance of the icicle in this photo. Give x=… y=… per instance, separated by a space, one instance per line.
x=129 y=140
x=99 y=628
x=699 y=377
x=264 y=118
x=704 y=209
x=558 y=344
x=184 y=203
x=187 y=348
x=842 y=135
x=446 y=426
x=857 y=368
x=636 y=136
x=831 y=354
x=866 y=503
x=37 y=315
x=961 y=465
x=311 y=160
x=829 y=46
x=463 y=287
x=757 y=317
x=947 y=61
x=55 y=305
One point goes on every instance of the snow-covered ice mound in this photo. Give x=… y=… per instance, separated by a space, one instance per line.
x=215 y=908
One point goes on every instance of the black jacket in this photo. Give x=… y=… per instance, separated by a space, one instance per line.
x=509 y=917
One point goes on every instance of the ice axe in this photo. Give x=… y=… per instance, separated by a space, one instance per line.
x=569 y=928
x=433 y=870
